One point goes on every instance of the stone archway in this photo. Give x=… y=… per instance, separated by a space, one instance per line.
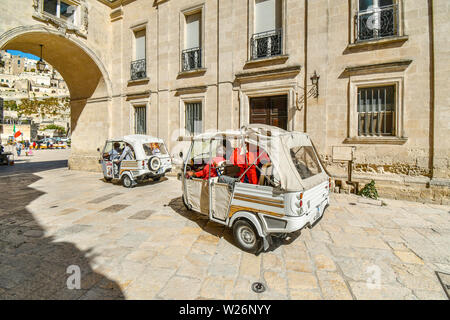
x=88 y=82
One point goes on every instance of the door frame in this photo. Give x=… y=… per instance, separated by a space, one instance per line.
x=246 y=94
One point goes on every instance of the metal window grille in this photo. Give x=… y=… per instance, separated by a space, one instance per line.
x=140 y=120
x=376 y=111
x=377 y=22
x=138 y=69
x=194 y=118
x=191 y=59
x=267 y=44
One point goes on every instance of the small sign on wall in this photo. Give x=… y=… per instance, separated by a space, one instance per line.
x=343 y=153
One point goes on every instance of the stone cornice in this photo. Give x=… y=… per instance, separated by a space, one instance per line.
x=277 y=73
x=376 y=140
x=187 y=90
x=138 y=95
x=113 y=4
x=393 y=66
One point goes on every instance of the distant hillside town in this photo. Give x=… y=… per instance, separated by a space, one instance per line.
x=32 y=102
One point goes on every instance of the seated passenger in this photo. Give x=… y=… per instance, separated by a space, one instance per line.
x=216 y=161
x=253 y=157
x=155 y=149
x=115 y=152
x=127 y=153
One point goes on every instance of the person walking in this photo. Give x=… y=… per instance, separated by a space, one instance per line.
x=18 y=148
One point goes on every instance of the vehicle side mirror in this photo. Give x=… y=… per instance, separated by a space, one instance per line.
x=181 y=154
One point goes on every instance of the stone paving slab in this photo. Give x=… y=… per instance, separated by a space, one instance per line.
x=141 y=243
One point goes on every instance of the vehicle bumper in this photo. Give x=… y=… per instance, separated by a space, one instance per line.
x=288 y=224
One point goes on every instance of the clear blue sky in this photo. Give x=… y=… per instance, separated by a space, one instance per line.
x=22 y=54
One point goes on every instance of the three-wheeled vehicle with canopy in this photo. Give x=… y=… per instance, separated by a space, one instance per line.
x=261 y=181
x=147 y=157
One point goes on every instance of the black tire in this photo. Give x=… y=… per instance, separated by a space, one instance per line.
x=154 y=163
x=246 y=236
x=127 y=182
x=108 y=179
x=157 y=178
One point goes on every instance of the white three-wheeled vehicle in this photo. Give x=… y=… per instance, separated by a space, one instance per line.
x=148 y=158
x=290 y=191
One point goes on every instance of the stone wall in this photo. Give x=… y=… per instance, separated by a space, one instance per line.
x=318 y=36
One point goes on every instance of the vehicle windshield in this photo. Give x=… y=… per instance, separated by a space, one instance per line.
x=154 y=148
x=306 y=162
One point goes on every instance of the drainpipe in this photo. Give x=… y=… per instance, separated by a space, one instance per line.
x=305 y=83
x=157 y=71
x=432 y=87
x=218 y=68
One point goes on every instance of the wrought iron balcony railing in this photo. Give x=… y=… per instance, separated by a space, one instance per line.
x=138 y=69
x=377 y=23
x=191 y=59
x=267 y=44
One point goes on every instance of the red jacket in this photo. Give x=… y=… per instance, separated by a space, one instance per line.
x=204 y=173
x=238 y=159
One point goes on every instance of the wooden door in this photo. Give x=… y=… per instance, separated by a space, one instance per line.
x=269 y=110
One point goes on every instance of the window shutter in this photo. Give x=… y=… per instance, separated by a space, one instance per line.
x=193 y=25
x=267 y=15
x=140 y=44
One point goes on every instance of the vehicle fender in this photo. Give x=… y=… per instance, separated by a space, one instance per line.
x=251 y=217
x=128 y=173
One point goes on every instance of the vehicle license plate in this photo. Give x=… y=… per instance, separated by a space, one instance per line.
x=317 y=213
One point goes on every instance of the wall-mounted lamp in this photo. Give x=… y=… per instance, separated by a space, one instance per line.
x=40 y=64
x=315 y=82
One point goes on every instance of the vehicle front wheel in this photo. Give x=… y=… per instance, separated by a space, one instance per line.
x=127 y=182
x=246 y=236
x=108 y=179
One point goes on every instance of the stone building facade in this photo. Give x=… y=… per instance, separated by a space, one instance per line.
x=368 y=74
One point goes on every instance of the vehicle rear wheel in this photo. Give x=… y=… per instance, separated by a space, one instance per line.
x=126 y=181
x=246 y=236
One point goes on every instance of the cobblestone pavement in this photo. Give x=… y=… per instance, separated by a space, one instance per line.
x=141 y=243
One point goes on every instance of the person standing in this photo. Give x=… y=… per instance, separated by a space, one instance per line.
x=114 y=155
x=27 y=147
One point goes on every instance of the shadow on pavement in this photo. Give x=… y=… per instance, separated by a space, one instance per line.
x=219 y=230
x=25 y=166
x=33 y=266
x=147 y=182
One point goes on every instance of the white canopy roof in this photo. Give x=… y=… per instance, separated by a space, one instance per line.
x=278 y=144
x=136 y=141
